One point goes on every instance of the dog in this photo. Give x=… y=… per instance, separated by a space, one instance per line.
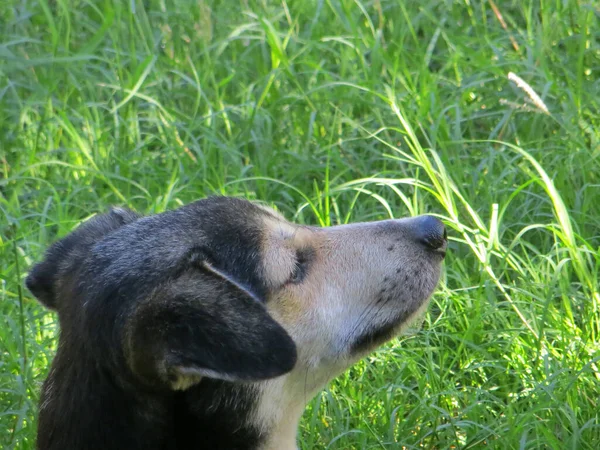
x=211 y=326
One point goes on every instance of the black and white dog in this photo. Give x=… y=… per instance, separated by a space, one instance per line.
x=211 y=326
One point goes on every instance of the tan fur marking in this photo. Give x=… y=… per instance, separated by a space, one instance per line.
x=281 y=241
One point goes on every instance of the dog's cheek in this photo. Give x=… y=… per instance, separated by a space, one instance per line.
x=301 y=311
x=287 y=309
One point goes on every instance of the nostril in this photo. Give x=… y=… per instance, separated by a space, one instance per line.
x=432 y=233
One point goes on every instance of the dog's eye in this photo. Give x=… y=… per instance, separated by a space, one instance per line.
x=303 y=258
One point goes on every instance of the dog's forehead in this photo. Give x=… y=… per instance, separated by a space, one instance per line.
x=220 y=217
x=269 y=211
x=232 y=209
x=274 y=224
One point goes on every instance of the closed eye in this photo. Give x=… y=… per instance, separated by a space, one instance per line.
x=304 y=257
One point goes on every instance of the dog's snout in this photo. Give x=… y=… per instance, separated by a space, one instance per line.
x=431 y=232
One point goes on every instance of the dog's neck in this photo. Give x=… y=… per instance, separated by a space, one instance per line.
x=283 y=400
x=121 y=419
x=284 y=434
x=278 y=413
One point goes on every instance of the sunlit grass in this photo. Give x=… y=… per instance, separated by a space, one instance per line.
x=335 y=112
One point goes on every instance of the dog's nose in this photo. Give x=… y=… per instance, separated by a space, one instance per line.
x=431 y=232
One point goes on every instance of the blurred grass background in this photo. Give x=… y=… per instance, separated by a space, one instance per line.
x=335 y=111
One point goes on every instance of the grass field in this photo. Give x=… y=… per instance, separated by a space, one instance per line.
x=335 y=111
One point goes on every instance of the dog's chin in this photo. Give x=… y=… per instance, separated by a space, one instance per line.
x=380 y=334
x=371 y=339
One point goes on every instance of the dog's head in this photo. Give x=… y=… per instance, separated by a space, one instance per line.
x=227 y=289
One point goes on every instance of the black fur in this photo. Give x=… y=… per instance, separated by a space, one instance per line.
x=64 y=256
x=143 y=302
x=215 y=415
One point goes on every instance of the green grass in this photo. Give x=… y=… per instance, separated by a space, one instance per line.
x=334 y=111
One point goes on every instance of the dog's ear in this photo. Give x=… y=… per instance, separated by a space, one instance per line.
x=204 y=324
x=65 y=255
